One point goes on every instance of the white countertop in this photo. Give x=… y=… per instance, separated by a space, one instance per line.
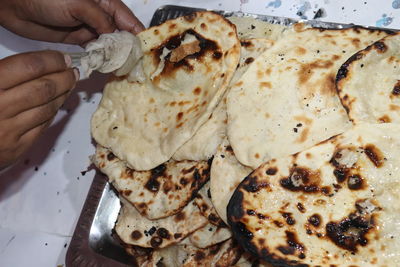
x=42 y=195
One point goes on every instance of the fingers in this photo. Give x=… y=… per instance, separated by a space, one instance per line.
x=80 y=37
x=122 y=15
x=35 y=87
x=12 y=149
x=26 y=140
x=36 y=31
x=30 y=119
x=17 y=69
x=93 y=15
x=36 y=93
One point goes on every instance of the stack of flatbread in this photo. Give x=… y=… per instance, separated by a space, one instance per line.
x=246 y=143
x=148 y=136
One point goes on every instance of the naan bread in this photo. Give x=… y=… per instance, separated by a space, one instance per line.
x=140 y=256
x=210 y=235
x=332 y=204
x=205 y=204
x=160 y=192
x=249 y=27
x=221 y=255
x=246 y=260
x=286 y=101
x=188 y=63
x=204 y=143
x=134 y=229
x=249 y=51
x=226 y=175
x=369 y=82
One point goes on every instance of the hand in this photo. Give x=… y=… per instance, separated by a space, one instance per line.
x=33 y=86
x=67 y=21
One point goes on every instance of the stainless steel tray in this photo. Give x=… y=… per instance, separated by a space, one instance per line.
x=93 y=243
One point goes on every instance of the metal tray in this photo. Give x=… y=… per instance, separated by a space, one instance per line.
x=93 y=243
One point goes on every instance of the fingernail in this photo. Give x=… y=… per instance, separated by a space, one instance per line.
x=76 y=73
x=68 y=60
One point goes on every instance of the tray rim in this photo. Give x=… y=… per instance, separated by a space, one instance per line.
x=316 y=23
x=79 y=251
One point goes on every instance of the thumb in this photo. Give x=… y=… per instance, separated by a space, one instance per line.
x=122 y=16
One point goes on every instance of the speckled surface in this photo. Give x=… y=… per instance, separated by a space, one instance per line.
x=42 y=195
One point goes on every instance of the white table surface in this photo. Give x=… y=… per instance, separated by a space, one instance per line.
x=42 y=195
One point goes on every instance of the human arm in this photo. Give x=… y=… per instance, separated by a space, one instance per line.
x=67 y=21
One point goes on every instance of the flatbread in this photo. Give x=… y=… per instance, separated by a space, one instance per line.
x=226 y=175
x=204 y=143
x=221 y=255
x=250 y=27
x=205 y=204
x=246 y=260
x=250 y=50
x=134 y=229
x=369 y=82
x=210 y=235
x=287 y=101
x=160 y=192
x=140 y=256
x=332 y=204
x=188 y=63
